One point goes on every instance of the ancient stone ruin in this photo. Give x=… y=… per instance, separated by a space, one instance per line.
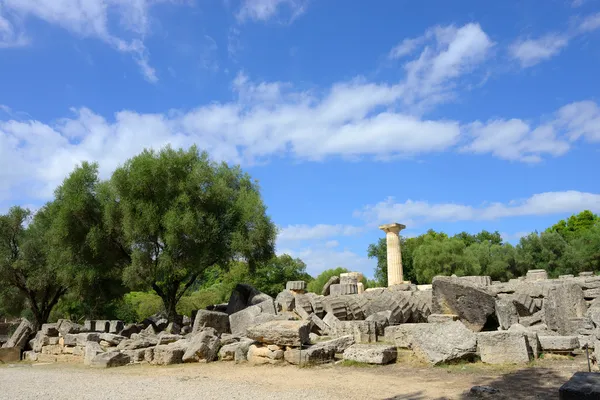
x=454 y=318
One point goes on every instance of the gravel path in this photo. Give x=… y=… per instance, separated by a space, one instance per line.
x=222 y=380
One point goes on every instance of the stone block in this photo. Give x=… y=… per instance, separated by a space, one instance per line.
x=285 y=301
x=203 y=346
x=477 y=280
x=10 y=354
x=50 y=330
x=310 y=355
x=591 y=294
x=371 y=353
x=342 y=289
x=568 y=276
x=109 y=360
x=472 y=304
x=167 y=354
x=336 y=307
x=441 y=318
x=258 y=355
x=586 y=274
x=112 y=339
x=136 y=356
x=282 y=333
x=506 y=313
x=327 y=287
x=534 y=319
x=536 y=275
x=115 y=326
x=581 y=386
x=65 y=327
x=295 y=285
x=102 y=326
x=503 y=347
x=211 y=319
x=21 y=335
x=323 y=327
x=317 y=305
x=381 y=320
x=558 y=343
x=241 y=320
x=92 y=349
x=563 y=303
x=362 y=331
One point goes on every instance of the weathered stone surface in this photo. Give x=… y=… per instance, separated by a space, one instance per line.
x=211 y=319
x=27 y=355
x=101 y=326
x=586 y=273
x=109 y=360
x=54 y=349
x=11 y=354
x=534 y=319
x=130 y=329
x=335 y=306
x=323 y=327
x=436 y=343
x=440 y=318
x=237 y=351
x=285 y=301
x=295 y=285
x=354 y=308
x=21 y=335
x=92 y=349
x=80 y=339
x=477 y=280
x=138 y=343
x=203 y=346
x=258 y=355
x=310 y=355
x=116 y=326
x=339 y=289
x=50 y=330
x=558 y=343
x=533 y=344
x=240 y=321
x=112 y=338
x=303 y=305
x=167 y=354
x=473 y=305
x=327 y=287
x=363 y=331
x=166 y=338
x=282 y=333
x=338 y=345
x=536 y=275
x=135 y=356
x=381 y=320
x=581 y=386
x=503 y=347
x=40 y=340
x=524 y=304
x=563 y=303
x=590 y=294
x=371 y=353
x=245 y=296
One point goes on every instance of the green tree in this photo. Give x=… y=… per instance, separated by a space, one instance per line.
x=181 y=214
x=271 y=276
x=548 y=250
x=443 y=257
x=481 y=237
x=24 y=262
x=495 y=260
x=575 y=225
x=316 y=286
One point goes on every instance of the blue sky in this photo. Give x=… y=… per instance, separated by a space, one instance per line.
x=447 y=115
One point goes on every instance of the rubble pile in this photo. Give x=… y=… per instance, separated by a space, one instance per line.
x=454 y=318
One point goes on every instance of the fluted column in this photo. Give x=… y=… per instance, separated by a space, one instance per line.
x=394 y=255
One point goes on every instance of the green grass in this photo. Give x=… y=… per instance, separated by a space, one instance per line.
x=352 y=363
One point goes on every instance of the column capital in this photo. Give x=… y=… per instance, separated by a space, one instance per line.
x=393 y=227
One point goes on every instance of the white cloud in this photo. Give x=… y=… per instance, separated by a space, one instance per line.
x=590 y=23
x=9 y=37
x=413 y=213
x=530 y=52
x=533 y=51
x=449 y=53
x=318 y=259
x=580 y=119
x=263 y=10
x=320 y=231
x=92 y=19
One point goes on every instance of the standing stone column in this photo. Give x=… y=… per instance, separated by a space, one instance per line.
x=394 y=257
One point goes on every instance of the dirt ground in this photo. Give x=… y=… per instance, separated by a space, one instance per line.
x=405 y=380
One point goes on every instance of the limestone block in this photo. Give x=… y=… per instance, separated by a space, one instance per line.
x=327 y=287
x=244 y=296
x=109 y=360
x=21 y=335
x=317 y=305
x=581 y=386
x=11 y=354
x=335 y=306
x=562 y=303
x=343 y=289
x=112 y=339
x=283 y=333
x=27 y=355
x=102 y=326
x=477 y=280
x=241 y=320
x=302 y=301
x=569 y=276
x=472 y=304
x=211 y=319
x=371 y=353
x=40 y=340
x=295 y=285
x=503 y=347
x=586 y=273
x=532 y=320
x=536 y=275
x=354 y=308
x=525 y=304
x=338 y=345
x=381 y=320
x=258 y=355
x=323 y=327
x=203 y=346
x=65 y=327
x=285 y=301
x=92 y=349
x=50 y=330
x=591 y=294
x=136 y=356
x=440 y=318
x=558 y=343
x=310 y=355
x=166 y=338
x=168 y=354
x=360 y=287
x=363 y=331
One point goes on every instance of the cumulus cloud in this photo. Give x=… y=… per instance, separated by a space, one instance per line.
x=318 y=259
x=88 y=19
x=414 y=213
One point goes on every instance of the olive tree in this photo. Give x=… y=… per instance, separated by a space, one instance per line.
x=181 y=213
